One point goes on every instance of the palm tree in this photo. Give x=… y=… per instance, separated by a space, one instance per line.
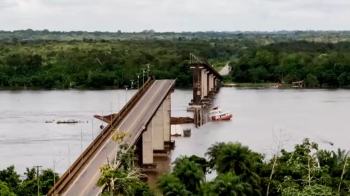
x=339 y=156
x=213 y=153
x=170 y=185
x=229 y=184
x=242 y=161
x=189 y=173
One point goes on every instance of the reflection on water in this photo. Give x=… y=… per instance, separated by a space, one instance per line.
x=321 y=115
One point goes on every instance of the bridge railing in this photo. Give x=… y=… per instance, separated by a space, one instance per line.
x=196 y=60
x=146 y=124
x=70 y=174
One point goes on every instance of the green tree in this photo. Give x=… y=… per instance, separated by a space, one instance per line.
x=311 y=81
x=170 y=185
x=4 y=190
x=11 y=178
x=189 y=173
x=229 y=184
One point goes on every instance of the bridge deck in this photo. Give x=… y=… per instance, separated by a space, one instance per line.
x=84 y=184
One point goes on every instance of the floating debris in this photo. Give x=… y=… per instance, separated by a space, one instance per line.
x=181 y=120
x=67 y=122
x=187 y=133
x=70 y=121
x=176 y=130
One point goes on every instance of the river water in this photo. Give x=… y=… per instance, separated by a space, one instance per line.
x=261 y=117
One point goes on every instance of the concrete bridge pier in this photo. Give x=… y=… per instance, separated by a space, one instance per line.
x=205 y=85
x=156 y=138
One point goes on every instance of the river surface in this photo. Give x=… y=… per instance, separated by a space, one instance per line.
x=260 y=118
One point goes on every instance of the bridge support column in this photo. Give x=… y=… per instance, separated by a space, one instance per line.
x=203 y=84
x=147 y=145
x=208 y=83
x=211 y=82
x=216 y=84
x=161 y=126
x=156 y=140
x=197 y=90
x=205 y=81
x=166 y=123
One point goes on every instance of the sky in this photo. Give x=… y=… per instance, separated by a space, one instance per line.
x=174 y=15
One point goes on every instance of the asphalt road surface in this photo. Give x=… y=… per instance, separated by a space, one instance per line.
x=84 y=184
x=225 y=70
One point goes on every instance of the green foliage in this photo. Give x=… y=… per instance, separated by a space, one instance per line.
x=170 y=185
x=307 y=170
x=125 y=179
x=317 y=64
x=11 y=183
x=99 y=60
x=5 y=190
x=189 y=173
x=100 y=65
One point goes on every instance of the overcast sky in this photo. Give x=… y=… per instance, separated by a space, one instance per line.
x=175 y=15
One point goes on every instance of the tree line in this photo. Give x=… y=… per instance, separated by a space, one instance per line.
x=262 y=36
x=98 y=64
x=317 y=64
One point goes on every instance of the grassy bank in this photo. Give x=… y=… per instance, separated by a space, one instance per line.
x=252 y=85
x=256 y=85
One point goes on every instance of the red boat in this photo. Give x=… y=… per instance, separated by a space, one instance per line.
x=216 y=114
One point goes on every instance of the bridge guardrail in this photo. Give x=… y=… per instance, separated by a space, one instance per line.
x=69 y=175
x=146 y=122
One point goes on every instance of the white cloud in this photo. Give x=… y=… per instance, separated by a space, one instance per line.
x=174 y=15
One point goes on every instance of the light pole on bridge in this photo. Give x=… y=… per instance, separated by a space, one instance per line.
x=148 y=69
x=126 y=94
x=54 y=172
x=69 y=149
x=81 y=139
x=143 y=77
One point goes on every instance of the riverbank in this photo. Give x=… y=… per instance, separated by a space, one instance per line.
x=257 y=85
x=273 y=85
x=82 y=88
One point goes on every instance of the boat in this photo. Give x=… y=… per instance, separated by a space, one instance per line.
x=216 y=114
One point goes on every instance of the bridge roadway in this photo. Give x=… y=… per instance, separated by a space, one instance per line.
x=84 y=184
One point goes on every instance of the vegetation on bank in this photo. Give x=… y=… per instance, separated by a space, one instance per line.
x=13 y=184
x=317 y=64
x=32 y=59
x=253 y=85
x=305 y=171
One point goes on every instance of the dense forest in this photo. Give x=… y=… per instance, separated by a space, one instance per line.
x=30 y=184
x=262 y=37
x=305 y=171
x=44 y=59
